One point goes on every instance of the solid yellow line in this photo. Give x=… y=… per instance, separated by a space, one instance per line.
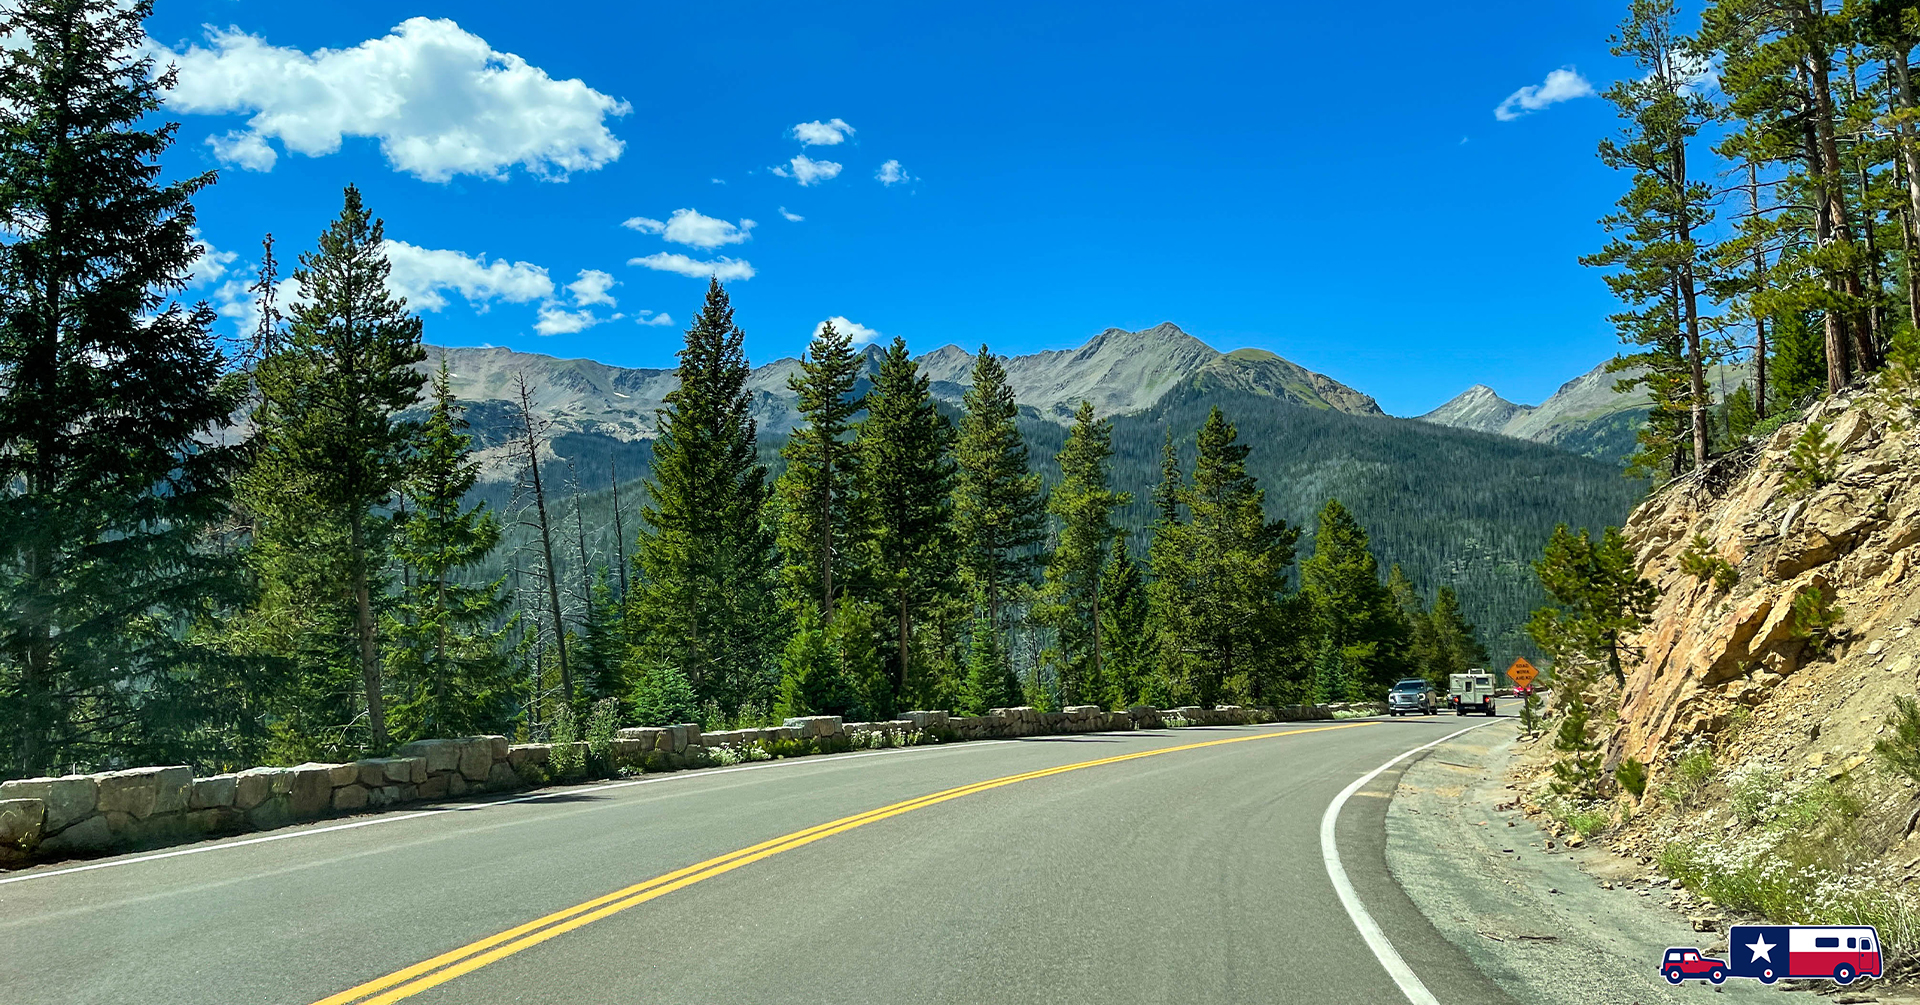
x=466 y=959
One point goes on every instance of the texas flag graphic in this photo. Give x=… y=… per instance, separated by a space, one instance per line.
x=1838 y=953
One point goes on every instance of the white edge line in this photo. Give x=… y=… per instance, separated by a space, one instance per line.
x=395 y=818
x=1389 y=957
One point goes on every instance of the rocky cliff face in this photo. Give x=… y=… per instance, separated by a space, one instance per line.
x=1741 y=666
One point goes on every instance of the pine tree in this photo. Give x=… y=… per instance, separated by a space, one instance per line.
x=1456 y=639
x=818 y=535
x=108 y=479
x=1601 y=594
x=1423 y=653
x=1352 y=607
x=331 y=449
x=905 y=483
x=999 y=505
x=1219 y=580
x=1085 y=502
x=598 y=655
x=1653 y=232
x=1123 y=625
x=447 y=661
x=703 y=601
x=991 y=683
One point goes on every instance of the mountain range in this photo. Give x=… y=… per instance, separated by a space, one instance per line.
x=1464 y=496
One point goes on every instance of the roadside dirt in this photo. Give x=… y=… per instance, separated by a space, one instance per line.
x=1549 y=924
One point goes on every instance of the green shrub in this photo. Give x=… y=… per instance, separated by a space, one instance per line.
x=563 y=732
x=1690 y=774
x=1755 y=795
x=1632 y=776
x=1703 y=563
x=603 y=723
x=1812 y=462
x=1578 y=774
x=1815 y=618
x=1901 y=747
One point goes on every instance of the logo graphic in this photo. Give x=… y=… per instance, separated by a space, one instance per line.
x=1766 y=953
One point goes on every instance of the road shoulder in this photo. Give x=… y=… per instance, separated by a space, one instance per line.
x=1523 y=911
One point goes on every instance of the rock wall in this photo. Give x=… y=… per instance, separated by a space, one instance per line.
x=1714 y=657
x=48 y=818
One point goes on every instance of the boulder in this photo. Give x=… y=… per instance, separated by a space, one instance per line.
x=142 y=792
x=500 y=746
x=502 y=778
x=214 y=792
x=68 y=799
x=435 y=787
x=308 y=788
x=476 y=760
x=812 y=726
x=253 y=787
x=440 y=755
x=22 y=822
x=343 y=774
x=348 y=798
x=89 y=835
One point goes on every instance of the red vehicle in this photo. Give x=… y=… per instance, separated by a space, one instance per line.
x=1682 y=963
x=1522 y=690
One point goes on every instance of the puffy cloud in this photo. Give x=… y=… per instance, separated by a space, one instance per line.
x=440 y=100
x=650 y=318
x=808 y=171
x=591 y=288
x=859 y=333
x=1564 y=84
x=556 y=319
x=791 y=217
x=421 y=274
x=210 y=265
x=689 y=227
x=723 y=268
x=830 y=133
x=244 y=150
x=891 y=173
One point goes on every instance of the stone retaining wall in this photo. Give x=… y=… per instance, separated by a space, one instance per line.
x=48 y=818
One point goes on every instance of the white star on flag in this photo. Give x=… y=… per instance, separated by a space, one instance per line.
x=1761 y=948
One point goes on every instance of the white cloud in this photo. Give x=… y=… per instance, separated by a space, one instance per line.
x=891 y=173
x=830 y=133
x=210 y=265
x=859 y=333
x=591 y=288
x=791 y=217
x=808 y=171
x=244 y=150
x=718 y=181
x=421 y=274
x=723 y=268
x=555 y=319
x=1564 y=84
x=440 y=100
x=650 y=318
x=689 y=227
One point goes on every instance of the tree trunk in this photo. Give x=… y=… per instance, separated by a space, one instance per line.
x=900 y=670
x=1910 y=161
x=546 y=544
x=1759 y=286
x=826 y=531
x=619 y=527
x=369 y=648
x=1696 y=365
x=1839 y=370
x=1869 y=218
x=1096 y=631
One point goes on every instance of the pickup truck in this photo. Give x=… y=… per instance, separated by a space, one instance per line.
x=1471 y=692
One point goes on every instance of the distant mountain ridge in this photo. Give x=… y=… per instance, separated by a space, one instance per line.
x=1120 y=372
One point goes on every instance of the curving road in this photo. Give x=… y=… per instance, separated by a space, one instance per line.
x=1176 y=868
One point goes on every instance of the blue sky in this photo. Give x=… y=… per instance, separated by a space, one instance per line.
x=1330 y=182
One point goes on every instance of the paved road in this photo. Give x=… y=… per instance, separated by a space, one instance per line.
x=1189 y=875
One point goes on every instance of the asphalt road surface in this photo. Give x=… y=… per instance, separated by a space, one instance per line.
x=1191 y=874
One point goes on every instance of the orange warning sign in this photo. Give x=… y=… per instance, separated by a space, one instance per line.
x=1522 y=673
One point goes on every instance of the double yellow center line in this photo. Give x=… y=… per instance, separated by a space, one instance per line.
x=468 y=958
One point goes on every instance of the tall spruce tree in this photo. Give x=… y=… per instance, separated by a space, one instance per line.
x=1653 y=242
x=448 y=660
x=999 y=505
x=1084 y=501
x=818 y=533
x=331 y=450
x=1456 y=639
x=906 y=479
x=1123 y=625
x=703 y=604
x=1220 y=579
x=109 y=389
x=1601 y=595
x=1353 y=608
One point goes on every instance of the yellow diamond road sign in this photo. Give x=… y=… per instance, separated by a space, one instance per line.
x=1522 y=673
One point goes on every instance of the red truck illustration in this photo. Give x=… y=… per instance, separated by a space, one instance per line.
x=1682 y=963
